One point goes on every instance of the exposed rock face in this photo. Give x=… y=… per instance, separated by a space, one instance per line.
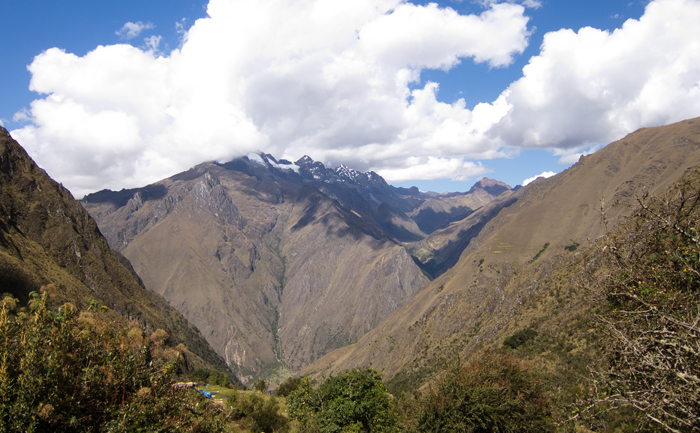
x=271 y=268
x=47 y=237
x=278 y=262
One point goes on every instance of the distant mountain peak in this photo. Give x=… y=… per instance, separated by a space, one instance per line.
x=487 y=182
x=306 y=159
x=314 y=170
x=492 y=186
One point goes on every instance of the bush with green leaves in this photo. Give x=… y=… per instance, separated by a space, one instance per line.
x=258 y=413
x=354 y=401
x=71 y=371
x=496 y=394
x=288 y=386
x=205 y=376
x=520 y=338
x=260 y=385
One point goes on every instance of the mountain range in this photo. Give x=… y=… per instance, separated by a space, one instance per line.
x=293 y=267
x=278 y=263
x=527 y=266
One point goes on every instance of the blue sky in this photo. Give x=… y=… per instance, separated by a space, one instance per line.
x=429 y=95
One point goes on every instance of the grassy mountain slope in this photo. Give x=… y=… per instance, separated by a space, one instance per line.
x=518 y=271
x=46 y=237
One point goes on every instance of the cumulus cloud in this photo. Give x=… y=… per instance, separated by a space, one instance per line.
x=572 y=155
x=545 y=174
x=430 y=168
x=339 y=80
x=594 y=86
x=131 y=30
x=326 y=78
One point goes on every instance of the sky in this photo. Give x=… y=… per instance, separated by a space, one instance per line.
x=119 y=94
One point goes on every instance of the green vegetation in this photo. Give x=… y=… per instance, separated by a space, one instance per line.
x=71 y=371
x=496 y=394
x=257 y=413
x=572 y=247
x=354 y=401
x=260 y=385
x=520 y=338
x=288 y=386
x=539 y=253
x=207 y=376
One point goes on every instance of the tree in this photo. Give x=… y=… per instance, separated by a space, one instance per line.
x=356 y=400
x=256 y=413
x=260 y=385
x=288 y=386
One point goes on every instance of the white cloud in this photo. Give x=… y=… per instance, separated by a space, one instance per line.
x=152 y=43
x=545 y=174
x=571 y=156
x=22 y=115
x=131 y=30
x=430 y=168
x=534 y=4
x=327 y=78
x=336 y=79
x=593 y=86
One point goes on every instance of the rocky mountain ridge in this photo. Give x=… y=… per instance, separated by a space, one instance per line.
x=277 y=262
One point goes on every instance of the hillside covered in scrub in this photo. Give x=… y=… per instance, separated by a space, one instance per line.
x=47 y=237
x=540 y=322
x=526 y=267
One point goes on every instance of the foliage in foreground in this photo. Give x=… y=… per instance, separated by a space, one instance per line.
x=70 y=371
x=495 y=394
x=288 y=386
x=206 y=376
x=354 y=401
x=653 y=291
x=257 y=413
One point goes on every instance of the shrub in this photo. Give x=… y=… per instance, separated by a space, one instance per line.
x=288 y=386
x=573 y=247
x=203 y=375
x=260 y=385
x=495 y=394
x=653 y=294
x=354 y=401
x=71 y=371
x=520 y=338
x=258 y=414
